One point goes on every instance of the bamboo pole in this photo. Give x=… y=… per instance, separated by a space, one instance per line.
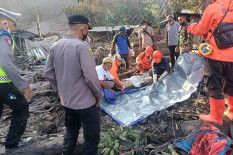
x=38 y=26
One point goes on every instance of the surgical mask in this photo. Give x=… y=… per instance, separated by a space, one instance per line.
x=143 y=26
x=106 y=68
x=85 y=37
x=8 y=30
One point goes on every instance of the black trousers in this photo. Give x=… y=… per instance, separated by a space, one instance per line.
x=218 y=78
x=90 y=120
x=11 y=96
x=174 y=55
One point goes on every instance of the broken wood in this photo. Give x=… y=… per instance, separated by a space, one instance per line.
x=44 y=91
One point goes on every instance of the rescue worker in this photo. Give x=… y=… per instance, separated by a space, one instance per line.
x=11 y=84
x=160 y=67
x=144 y=60
x=106 y=79
x=146 y=37
x=117 y=62
x=123 y=45
x=184 y=38
x=218 y=71
x=70 y=68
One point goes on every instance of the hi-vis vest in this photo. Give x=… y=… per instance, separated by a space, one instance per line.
x=3 y=75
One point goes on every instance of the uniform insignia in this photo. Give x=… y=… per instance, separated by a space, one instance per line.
x=8 y=42
x=92 y=54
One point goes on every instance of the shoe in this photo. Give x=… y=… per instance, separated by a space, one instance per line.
x=217 y=107
x=22 y=143
x=229 y=112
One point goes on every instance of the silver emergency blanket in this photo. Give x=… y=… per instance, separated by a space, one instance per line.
x=175 y=87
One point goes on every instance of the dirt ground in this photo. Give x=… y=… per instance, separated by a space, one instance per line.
x=46 y=122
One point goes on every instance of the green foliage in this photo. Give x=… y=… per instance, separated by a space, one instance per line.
x=118 y=12
x=192 y=5
x=119 y=140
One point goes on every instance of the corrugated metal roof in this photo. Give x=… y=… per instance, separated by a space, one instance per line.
x=52 y=26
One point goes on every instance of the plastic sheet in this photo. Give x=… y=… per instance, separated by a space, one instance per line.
x=176 y=87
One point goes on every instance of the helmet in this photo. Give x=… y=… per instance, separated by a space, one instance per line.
x=149 y=50
x=107 y=60
x=157 y=56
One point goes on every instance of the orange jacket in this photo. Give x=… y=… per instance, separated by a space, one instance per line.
x=143 y=59
x=210 y=20
x=114 y=70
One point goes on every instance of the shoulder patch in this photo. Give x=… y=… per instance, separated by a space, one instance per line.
x=92 y=54
x=8 y=42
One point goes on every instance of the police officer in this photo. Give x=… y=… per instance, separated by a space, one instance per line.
x=184 y=38
x=11 y=84
x=70 y=68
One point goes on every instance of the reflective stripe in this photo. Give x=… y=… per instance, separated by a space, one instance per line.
x=3 y=75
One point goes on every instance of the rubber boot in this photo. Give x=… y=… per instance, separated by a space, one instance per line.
x=217 y=107
x=229 y=112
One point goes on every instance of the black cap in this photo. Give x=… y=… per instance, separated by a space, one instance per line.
x=78 y=19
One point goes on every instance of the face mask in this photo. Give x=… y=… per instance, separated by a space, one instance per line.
x=106 y=68
x=143 y=26
x=85 y=37
x=8 y=30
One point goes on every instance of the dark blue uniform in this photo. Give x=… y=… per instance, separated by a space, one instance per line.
x=160 y=68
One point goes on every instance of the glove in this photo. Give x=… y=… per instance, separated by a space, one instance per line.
x=162 y=76
x=110 y=55
x=154 y=78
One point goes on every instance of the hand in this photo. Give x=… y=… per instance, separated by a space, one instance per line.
x=139 y=50
x=28 y=92
x=160 y=79
x=98 y=102
x=187 y=49
x=123 y=90
x=177 y=49
x=154 y=79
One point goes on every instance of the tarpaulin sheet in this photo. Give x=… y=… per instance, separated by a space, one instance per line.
x=175 y=87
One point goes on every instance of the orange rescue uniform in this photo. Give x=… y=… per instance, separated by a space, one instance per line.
x=143 y=62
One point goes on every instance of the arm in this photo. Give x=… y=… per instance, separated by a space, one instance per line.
x=7 y=64
x=128 y=42
x=89 y=72
x=140 y=41
x=49 y=70
x=205 y=23
x=113 y=43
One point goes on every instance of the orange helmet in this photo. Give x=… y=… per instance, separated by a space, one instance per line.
x=149 y=50
x=157 y=56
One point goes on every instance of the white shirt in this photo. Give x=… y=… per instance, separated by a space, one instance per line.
x=103 y=74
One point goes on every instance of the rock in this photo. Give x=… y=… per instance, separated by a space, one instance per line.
x=152 y=139
x=188 y=126
x=47 y=128
x=163 y=115
x=163 y=126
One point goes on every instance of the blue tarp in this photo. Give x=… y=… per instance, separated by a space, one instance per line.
x=176 y=87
